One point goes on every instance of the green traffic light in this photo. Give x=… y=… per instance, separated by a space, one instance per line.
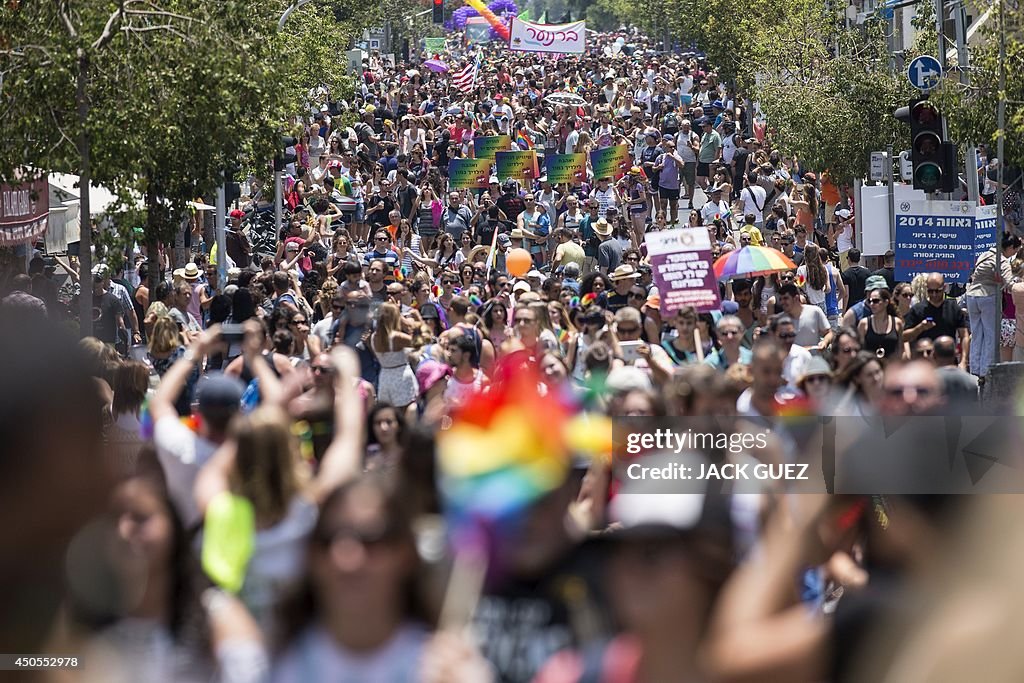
x=927 y=177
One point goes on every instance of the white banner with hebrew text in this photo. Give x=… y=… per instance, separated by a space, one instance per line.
x=530 y=37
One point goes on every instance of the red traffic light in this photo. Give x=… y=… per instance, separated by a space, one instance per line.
x=438 y=3
x=924 y=114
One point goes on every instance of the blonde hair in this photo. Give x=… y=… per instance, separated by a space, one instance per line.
x=388 y=320
x=267 y=464
x=165 y=336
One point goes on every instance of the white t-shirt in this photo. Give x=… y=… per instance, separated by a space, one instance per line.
x=844 y=240
x=683 y=148
x=322 y=329
x=571 y=140
x=796 y=361
x=753 y=197
x=316 y=656
x=812 y=326
x=814 y=296
x=181 y=453
x=728 y=148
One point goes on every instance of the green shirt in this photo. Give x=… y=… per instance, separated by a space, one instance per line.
x=710 y=144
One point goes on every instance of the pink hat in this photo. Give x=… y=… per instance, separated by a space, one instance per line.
x=429 y=372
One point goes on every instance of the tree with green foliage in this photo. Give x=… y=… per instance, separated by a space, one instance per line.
x=971 y=108
x=828 y=92
x=153 y=97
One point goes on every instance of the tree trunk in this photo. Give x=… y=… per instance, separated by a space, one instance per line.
x=85 y=216
x=152 y=245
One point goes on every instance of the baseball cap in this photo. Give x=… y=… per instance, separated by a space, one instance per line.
x=219 y=391
x=875 y=282
x=504 y=239
x=521 y=286
x=844 y=213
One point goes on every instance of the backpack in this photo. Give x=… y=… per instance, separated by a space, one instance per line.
x=670 y=123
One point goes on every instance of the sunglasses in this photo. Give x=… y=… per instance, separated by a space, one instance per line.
x=787 y=335
x=936 y=291
x=321 y=369
x=629 y=330
x=876 y=301
x=902 y=390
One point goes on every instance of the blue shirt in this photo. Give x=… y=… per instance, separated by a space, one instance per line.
x=718 y=360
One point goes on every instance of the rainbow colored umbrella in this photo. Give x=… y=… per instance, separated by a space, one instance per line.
x=751 y=262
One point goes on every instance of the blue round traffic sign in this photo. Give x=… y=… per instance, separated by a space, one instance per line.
x=924 y=73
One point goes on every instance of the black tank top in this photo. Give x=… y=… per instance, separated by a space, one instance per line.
x=888 y=342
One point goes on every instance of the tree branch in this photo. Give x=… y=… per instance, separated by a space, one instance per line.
x=109 y=31
x=66 y=18
x=162 y=27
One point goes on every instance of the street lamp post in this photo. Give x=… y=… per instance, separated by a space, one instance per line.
x=288 y=12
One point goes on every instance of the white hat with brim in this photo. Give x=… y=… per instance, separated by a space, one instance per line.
x=624 y=272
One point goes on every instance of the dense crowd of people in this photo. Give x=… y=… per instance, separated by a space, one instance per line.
x=263 y=450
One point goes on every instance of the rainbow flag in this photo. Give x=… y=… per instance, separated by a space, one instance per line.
x=523 y=141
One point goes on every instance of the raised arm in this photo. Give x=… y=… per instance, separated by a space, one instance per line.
x=162 y=403
x=342 y=460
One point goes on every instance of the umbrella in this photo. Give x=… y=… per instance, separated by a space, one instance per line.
x=751 y=261
x=436 y=65
x=568 y=99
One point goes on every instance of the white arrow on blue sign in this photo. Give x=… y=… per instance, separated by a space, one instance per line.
x=924 y=73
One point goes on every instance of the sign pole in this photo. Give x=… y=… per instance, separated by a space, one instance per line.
x=892 y=201
x=962 y=59
x=1000 y=134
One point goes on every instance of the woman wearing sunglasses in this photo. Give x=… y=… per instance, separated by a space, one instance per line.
x=881 y=332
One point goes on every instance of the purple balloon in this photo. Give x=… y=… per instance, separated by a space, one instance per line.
x=501 y=8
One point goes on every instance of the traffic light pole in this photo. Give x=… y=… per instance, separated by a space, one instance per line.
x=222 y=258
x=963 y=61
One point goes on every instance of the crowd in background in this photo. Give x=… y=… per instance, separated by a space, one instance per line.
x=315 y=384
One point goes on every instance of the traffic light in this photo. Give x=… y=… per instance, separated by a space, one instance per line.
x=932 y=157
x=284 y=157
x=438 y=11
x=232 y=190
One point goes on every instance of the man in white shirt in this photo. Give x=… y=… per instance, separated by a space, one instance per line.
x=753 y=197
x=182 y=452
x=502 y=114
x=572 y=138
x=810 y=323
x=716 y=207
x=687 y=145
x=797 y=357
x=322 y=329
x=642 y=97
